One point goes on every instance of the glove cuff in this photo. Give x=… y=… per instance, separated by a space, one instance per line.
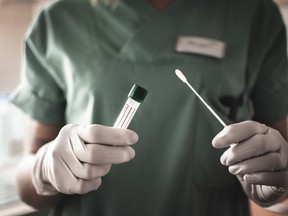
x=268 y=195
x=42 y=187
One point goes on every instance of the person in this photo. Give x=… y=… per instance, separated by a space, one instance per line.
x=81 y=59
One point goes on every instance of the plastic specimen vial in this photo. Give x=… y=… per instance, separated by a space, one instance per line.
x=136 y=96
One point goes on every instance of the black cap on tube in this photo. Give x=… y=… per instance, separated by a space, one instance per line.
x=137 y=93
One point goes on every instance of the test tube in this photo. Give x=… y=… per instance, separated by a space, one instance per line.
x=136 y=96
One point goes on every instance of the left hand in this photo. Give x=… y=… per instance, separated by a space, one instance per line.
x=258 y=155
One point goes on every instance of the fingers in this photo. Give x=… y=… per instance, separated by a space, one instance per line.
x=266 y=163
x=278 y=179
x=238 y=132
x=257 y=145
x=85 y=186
x=107 y=135
x=103 y=154
x=81 y=186
x=99 y=153
x=260 y=152
x=80 y=181
x=89 y=171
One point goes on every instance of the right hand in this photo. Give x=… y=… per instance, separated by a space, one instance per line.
x=79 y=156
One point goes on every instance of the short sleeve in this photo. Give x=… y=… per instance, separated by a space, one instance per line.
x=269 y=95
x=39 y=94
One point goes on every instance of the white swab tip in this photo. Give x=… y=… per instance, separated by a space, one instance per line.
x=180 y=75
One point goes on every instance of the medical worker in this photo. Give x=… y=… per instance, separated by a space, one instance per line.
x=81 y=59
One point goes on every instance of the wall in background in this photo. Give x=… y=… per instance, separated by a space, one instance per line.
x=15 y=16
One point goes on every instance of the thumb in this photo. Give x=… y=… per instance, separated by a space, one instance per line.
x=235 y=133
x=100 y=134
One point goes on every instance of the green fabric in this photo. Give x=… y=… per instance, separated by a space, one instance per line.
x=82 y=60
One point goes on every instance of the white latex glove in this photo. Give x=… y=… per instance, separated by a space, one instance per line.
x=79 y=156
x=258 y=156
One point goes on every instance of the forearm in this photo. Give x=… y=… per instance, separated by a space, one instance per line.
x=26 y=189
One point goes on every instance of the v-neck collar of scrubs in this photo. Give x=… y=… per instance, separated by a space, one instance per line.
x=160 y=7
x=148 y=10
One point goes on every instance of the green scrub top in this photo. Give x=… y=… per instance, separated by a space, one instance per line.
x=81 y=61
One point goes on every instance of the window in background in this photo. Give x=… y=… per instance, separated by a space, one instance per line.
x=15 y=16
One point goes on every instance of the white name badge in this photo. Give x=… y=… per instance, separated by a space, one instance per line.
x=200 y=45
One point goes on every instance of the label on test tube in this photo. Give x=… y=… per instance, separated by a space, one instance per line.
x=136 y=96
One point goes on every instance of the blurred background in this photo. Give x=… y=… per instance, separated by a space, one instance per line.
x=15 y=17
